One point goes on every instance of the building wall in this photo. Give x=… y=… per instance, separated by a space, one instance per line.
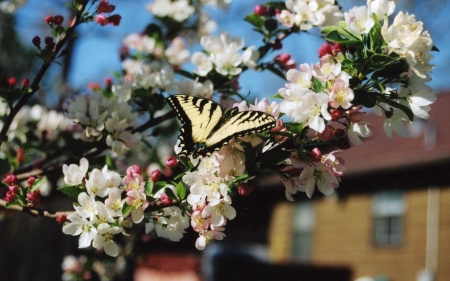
x=343 y=236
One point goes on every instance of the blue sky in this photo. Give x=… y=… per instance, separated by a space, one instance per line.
x=96 y=54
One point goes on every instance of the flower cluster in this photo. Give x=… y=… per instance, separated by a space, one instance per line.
x=101 y=116
x=104 y=7
x=22 y=196
x=222 y=54
x=104 y=202
x=306 y=14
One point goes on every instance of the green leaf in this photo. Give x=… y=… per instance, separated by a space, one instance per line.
x=402 y=107
x=158 y=186
x=148 y=187
x=277 y=5
x=376 y=40
x=153 y=30
x=9 y=205
x=4 y=166
x=126 y=210
x=71 y=191
x=381 y=59
x=181 y=190
x=254 y=20
x=316 y=85
x=335 y=36
x=169 y=192
x=277 y=96
x=270 y=24
x=295 y=128
x=38 y=184
x=242 y=177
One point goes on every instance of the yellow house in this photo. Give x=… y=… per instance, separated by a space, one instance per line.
x=390 y=217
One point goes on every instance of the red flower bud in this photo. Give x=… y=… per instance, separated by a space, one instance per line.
x=315 y=155
x=48 y=40
x=114 y=20
x=36 y=41
x=31 y=181
x=338 y=133
x=49 y=20
x=33 y=197
x=10 y=179
x=245 y=189
x=58 y=20
x=25 y=83
x=171 y=162
x=61 y=219
x=101 y=20
x=155 y=175
x=10 y=196
x=104 y=7
x=277 y=45
x=343 y=143
x=336 y=115
x=165 y=199
x=12 y=81
x=271 y=11
x=325 y=49
x=108 y=81
x=260 y=10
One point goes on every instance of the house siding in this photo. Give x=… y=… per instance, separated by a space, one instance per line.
x=343 y=236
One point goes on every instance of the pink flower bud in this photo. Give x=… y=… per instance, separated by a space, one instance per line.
x=101 y=20
x=171 y=162
x=11 y=179
x=114 y=20
x=155 y=175
x=165 y=199
x=49 y=20
x=271 y=11
x=245 y=189
x=260 y=10
x=13 y=188
x=133 y=170
x=327 y=133
x=283 y=58
x=25 y=83
x=315 y=155
x=356 y=116
x=30 y=181
x=20 y=156
x=33 y=197
x=94 y=86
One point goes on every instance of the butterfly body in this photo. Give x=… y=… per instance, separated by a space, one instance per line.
x=207 y=126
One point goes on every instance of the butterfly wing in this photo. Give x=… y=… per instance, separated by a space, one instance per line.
x=206 y=126
x=199 y=117
x=240 y=124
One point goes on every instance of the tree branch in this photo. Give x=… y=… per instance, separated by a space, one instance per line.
x=35 y=212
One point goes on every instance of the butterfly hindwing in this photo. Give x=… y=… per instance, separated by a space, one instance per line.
x=207 y=126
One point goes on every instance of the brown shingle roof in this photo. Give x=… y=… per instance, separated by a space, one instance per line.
x=429 y=143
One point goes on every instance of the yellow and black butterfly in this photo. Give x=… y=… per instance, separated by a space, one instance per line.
x=207 y=126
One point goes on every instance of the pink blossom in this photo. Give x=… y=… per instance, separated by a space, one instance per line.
x=134 y=170
x=138 y=201
x=101 y=20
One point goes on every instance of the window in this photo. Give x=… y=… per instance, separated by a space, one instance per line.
x=303 y=226
x=388 y=217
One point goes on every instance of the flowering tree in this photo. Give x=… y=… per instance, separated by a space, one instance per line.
x=367 y=61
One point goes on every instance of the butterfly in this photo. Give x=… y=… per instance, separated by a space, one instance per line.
x=207 y=126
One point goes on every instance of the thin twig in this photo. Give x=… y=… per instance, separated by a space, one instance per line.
x=35 y=212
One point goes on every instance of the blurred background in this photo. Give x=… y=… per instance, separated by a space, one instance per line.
x=389 y=219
